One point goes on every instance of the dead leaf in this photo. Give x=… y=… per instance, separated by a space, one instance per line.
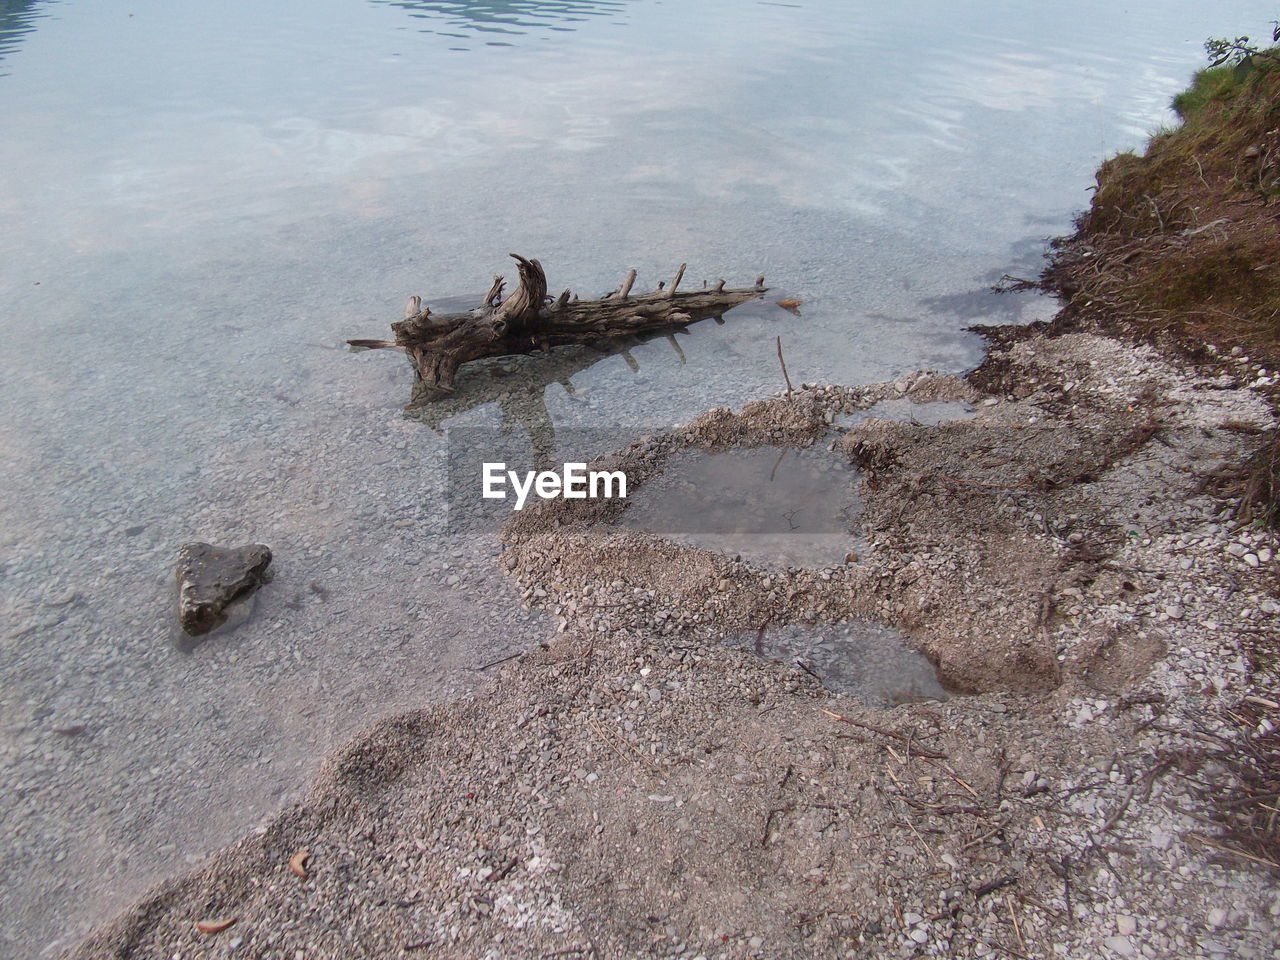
x=297 y=863
x=214 y=926
x=789 y=304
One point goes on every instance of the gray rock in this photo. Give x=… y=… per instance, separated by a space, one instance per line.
x=211 y=578
x=1119 y=946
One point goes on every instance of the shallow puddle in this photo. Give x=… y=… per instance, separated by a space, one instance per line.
x=864 y=660
x=902 y=410
x=773 y=506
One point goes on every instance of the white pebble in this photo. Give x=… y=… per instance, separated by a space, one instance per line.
x=1120 y=946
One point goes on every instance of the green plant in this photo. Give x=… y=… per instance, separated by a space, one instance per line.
x=1211 y=83
x=1243 y=56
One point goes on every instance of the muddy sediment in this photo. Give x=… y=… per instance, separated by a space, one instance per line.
x=637 y=787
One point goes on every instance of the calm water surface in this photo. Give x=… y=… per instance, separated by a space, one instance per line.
x=199 y=201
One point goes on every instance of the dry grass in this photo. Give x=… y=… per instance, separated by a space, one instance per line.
x=1248 y=814
x=1260 y=500
x=1182 y=244
x=1186 y=237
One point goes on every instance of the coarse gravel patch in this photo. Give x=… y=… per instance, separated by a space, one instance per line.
x=636 y=787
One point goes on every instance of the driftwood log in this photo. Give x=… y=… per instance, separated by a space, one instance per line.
x=529 y=321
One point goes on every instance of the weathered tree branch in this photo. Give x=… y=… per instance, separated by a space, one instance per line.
x=529 y=320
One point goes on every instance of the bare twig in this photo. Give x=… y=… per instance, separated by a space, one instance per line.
x=608 y=742
x=778 y=341
x=1239 y=853
x=1200 y=169
x=928 y=849
x=671 y=290
x=919 y=751
x=494 y=663
x=625 y=288
x=1017 y=927
x=979 y=483
x=993 y=885
x=768 y=824
x=1121 y=807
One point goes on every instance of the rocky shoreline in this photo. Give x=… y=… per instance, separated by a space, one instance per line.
x=1085 y=559
x=636 y=788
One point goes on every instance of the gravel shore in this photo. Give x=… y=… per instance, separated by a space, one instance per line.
x=636 y=787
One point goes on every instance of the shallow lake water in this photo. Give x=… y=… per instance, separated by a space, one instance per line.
x=871 y=662
x=772 y=506
x=198 y=204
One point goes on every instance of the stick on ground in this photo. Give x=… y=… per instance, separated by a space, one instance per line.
x=783 y=363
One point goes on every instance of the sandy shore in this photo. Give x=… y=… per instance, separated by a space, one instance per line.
x=636 y=788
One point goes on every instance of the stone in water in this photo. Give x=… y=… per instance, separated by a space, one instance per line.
x=211 y=578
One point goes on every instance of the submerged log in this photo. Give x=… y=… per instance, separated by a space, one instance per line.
x=529 y=321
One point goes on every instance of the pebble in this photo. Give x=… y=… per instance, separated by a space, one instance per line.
x=1120 y=946
x=1126 y=926
x=1217 y=917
